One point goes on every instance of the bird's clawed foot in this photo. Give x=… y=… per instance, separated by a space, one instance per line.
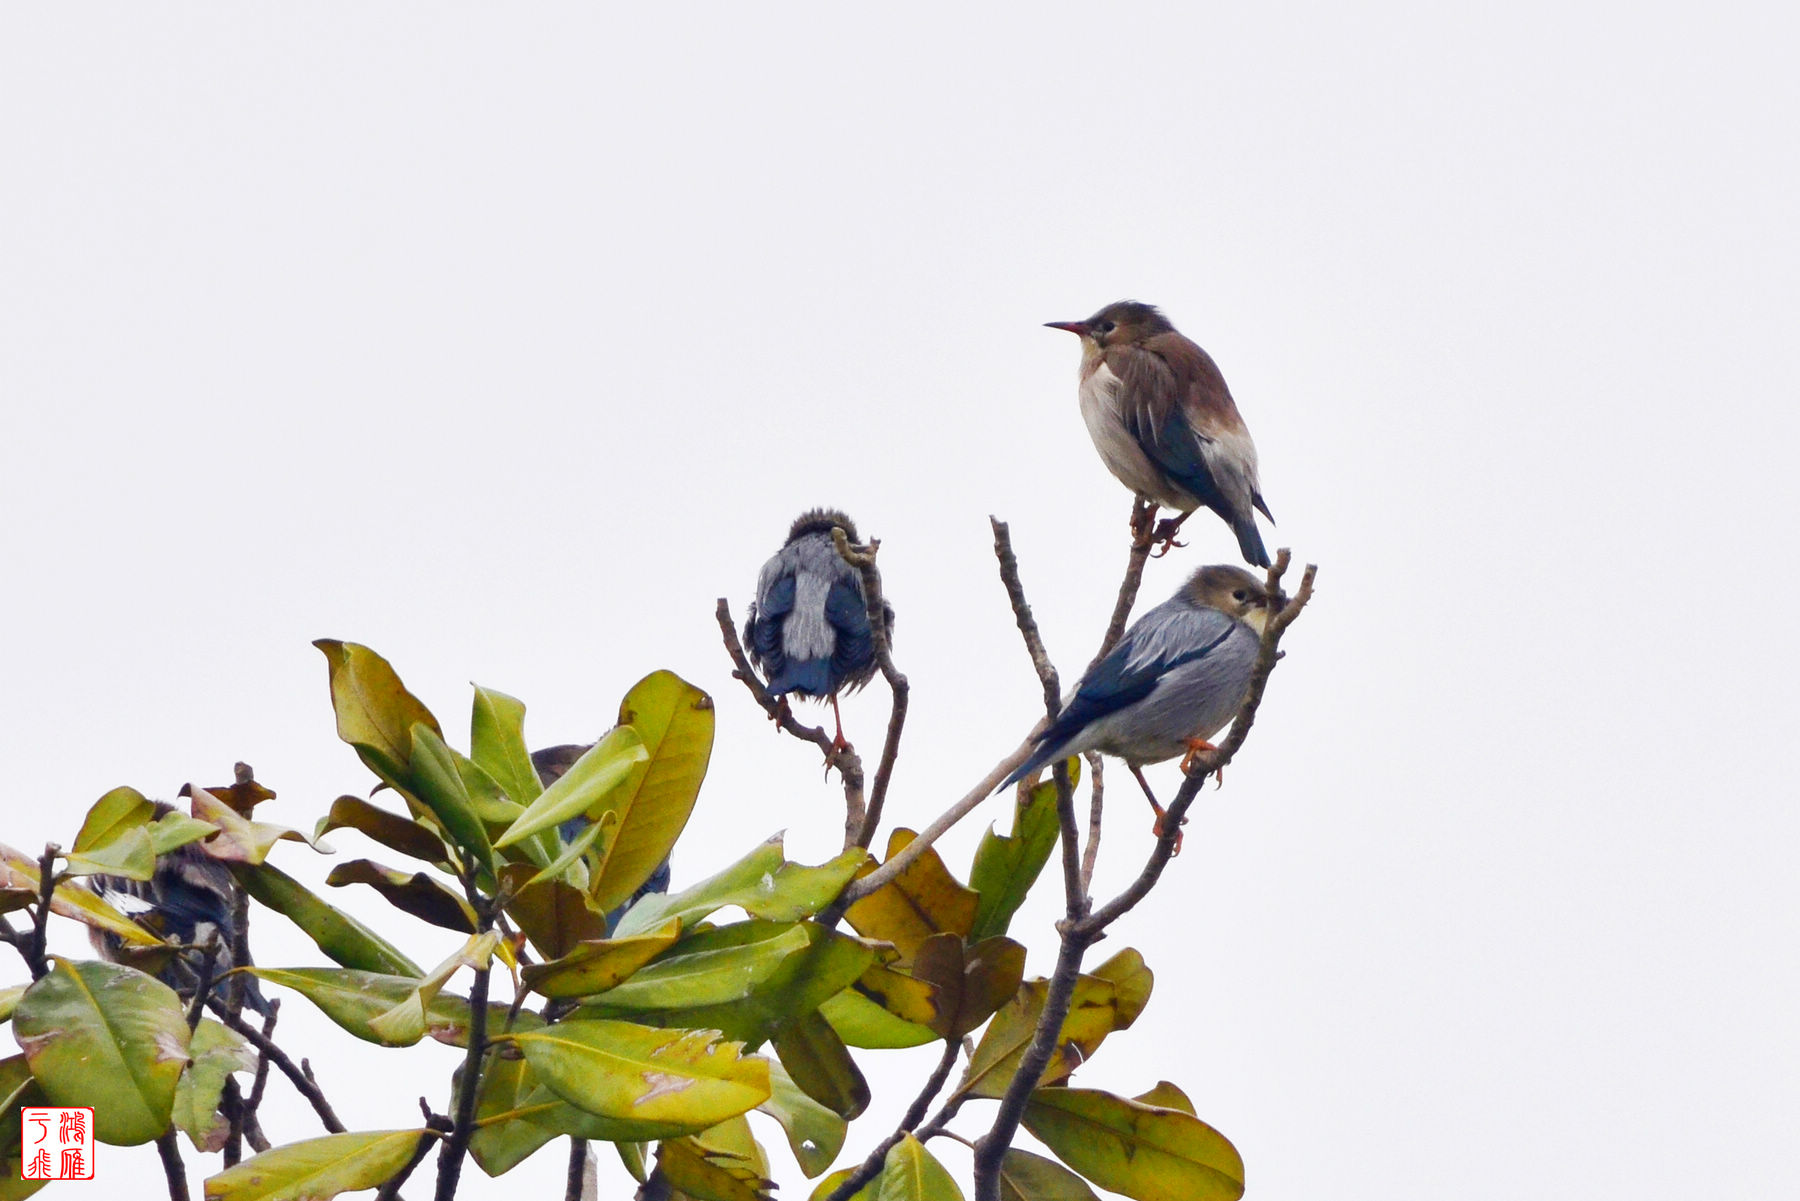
x=1157 y=829
x=782 y=712
x=1166 y=529
x=1197 y=746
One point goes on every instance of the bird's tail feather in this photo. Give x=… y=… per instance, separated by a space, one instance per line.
x=1250 y=541
x=809 y=677
x=1045 y=754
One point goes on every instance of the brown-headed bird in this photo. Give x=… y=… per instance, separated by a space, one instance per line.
x=809 y=627
x=1164 y=421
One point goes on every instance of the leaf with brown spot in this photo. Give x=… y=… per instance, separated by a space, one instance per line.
x=1143 y=1151
x=923 y=900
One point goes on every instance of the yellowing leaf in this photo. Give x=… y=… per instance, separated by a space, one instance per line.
x=923 y=900
x=318 y=1168
x=375 y=712
x=598 y=964
x=1144 y=1152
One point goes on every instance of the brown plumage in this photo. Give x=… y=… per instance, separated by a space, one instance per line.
x=1164 y=421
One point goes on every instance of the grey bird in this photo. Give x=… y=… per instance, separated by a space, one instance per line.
x=188 y=900
x=808 y=629
x=1164 y=422
x=1174 y=680
x=551 y=763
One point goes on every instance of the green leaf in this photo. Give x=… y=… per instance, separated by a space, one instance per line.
x=673 y=1081
x=746 y=979
x=392 y=831
x=674 y=721
x=599 y=964
x=9 y=1000
x=1166 y=1096
x=600 y=831
x=343 y=939
x=503 y=1136
x=923 y=900
x=1006 y=867
x=217 y=1053
x=318 y=1168
x=1142 y=1151
x=19 y=872
x=911 y=1173
x=1028 y=1177
x=437 y=780
x=814 y=1133
x=763 y=884
x=821 y=1065
x=423 y=896
x=115 y=838
x=711 y=1173
x=584 y=788
x=861 y=1022
x=826 y=1187
x=175 y=829
x=353 y=999
x=1109 y=999
x=108 y=1036
x=17 y=1089
x=555 y=916
x=497 y=743
x=410 y=1018
x=375 y=712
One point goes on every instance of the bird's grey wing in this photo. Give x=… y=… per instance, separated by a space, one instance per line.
x=1168 y=636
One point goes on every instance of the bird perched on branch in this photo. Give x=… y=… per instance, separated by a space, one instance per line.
x=1164 y=421
x=189 y=900
x=1174 y=680
x=808 y=629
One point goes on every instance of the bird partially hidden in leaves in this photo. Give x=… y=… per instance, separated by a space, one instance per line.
x=1174 y=680
x=808 y=630
x=187 y=900
x=1164 y=422
x=551 y=763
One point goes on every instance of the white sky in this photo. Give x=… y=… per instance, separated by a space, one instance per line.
x=507 y=340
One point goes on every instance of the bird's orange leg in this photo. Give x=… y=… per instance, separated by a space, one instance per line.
x=1161 y=813
x=1196 y=746
x=838 y=743
x=1166 y=529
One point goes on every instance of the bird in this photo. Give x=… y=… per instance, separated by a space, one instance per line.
x=551 y=763
x=188 y=899
x=1173 y=681
x=808 y=628
x=1164 y=421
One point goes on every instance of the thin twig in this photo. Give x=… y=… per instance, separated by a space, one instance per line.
x=844 y=758
x=243 y=1120
x=301 y=1080
x=1143 y=516
x=1091 y=853
x=1028 y=627
x=435 y=1128
x=40 y=920
x=203 y=980
x=173 y=1169
x=875 y=602
x=451 y=1157
x=915 y=1113
x=578 y=1160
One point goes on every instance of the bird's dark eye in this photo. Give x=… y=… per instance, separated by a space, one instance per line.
x=1106 y=327
x=1240 y=595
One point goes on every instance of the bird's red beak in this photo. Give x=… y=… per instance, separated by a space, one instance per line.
x=1074 y=327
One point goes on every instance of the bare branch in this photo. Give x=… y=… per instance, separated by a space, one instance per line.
x=578 y=1169
x=1097 y=778
x=915 y=1113
x=1143 y=515
x=301 y=1080
x=1028 y=627
x=173 y=1169
x=863 y=559
x=40 y=918
x=844 y=758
